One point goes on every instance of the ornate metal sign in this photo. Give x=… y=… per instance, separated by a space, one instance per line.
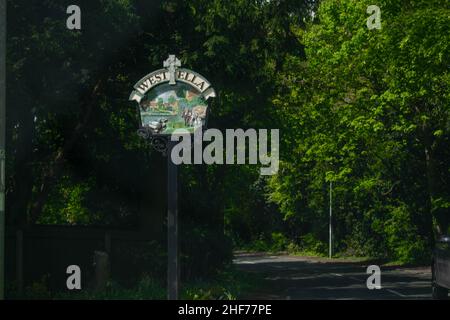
x=172 y=98
x=169 y=99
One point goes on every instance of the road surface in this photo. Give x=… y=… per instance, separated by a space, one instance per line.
x=292 y=277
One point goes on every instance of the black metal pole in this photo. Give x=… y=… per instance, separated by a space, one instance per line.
x=172 y=226
x=2 y=143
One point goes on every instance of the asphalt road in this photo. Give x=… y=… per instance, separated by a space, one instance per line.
x=292 y=277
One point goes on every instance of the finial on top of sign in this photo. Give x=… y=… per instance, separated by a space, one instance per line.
x=172 y=63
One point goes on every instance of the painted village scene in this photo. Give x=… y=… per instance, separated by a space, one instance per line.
x=169 y=107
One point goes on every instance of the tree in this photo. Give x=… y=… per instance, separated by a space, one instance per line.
x=369 y=110
x=71 y=129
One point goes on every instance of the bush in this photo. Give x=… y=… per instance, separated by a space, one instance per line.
x=204 y=251
x=403 y=242
x=309 y=243
x=136 y=260
x=279 y=242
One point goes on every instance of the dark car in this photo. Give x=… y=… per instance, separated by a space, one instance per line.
x=440 y=268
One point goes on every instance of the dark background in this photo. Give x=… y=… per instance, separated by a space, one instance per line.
x=366 y=109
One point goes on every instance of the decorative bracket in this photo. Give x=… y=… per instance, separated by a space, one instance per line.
x=158 y=142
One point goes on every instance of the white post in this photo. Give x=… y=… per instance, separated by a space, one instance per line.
x=330 y=245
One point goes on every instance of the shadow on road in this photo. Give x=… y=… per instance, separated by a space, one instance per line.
x=292 y=277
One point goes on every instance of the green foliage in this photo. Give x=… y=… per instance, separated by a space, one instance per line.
x=66 y=204
x=138 y=260
x=368 y=110
x=279 y=241
x=402 y=237
x=227 y=285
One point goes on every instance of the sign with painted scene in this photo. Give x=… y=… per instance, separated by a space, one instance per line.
x=172 y=98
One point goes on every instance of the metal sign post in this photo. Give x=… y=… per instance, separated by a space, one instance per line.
x=170 y=99
x=2 y=143
x=173 y=270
